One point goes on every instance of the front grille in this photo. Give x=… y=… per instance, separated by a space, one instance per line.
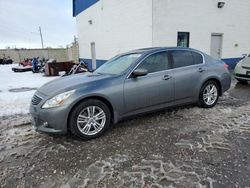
x=242 y=75
x=36 y=100
x=246 y=67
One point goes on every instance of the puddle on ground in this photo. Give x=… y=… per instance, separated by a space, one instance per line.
x=21 y=89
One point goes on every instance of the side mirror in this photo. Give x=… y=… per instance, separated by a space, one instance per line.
x=139 y=72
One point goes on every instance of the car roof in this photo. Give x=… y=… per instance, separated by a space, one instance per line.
x=155 y=49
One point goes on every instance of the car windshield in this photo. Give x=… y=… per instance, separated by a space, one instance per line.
x=118 y=64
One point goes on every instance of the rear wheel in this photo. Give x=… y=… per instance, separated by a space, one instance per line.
x=209 y=94
x=90 y=119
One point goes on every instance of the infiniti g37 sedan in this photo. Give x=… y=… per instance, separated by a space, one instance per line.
x=132 y=83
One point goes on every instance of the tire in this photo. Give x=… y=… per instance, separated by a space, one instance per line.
x=211 y=88
x=84 y=124
x=242 y=81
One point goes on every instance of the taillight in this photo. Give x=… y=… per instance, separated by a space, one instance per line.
x=226 y=66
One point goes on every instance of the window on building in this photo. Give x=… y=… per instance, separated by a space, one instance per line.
x=182 y=58
x=156 y=62
x=183 y=39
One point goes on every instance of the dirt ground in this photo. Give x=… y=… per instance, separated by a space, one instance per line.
x=181 y=147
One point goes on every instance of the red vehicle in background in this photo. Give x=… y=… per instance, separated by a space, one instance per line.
x=26 y=62
x=24 y=66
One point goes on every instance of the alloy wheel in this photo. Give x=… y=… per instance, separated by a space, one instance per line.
x=91 y=120
x=210 y=94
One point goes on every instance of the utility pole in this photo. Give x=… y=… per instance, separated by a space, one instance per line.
x=40 y=31
x=93 y=55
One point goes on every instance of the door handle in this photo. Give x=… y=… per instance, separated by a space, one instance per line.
x=201 y=69
x=167 y=77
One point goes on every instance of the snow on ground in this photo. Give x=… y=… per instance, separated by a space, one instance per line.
x=12 y=103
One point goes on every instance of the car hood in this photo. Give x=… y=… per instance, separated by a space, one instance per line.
x=70 y=82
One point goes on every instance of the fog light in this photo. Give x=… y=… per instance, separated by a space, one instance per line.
x=45 y=124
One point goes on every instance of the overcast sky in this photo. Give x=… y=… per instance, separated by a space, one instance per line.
x=20 y=21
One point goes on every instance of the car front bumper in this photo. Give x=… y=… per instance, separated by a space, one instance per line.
x=241 y=73
x=52 y=120
x=242 y=77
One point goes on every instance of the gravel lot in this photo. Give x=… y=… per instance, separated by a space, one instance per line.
x=181 y=147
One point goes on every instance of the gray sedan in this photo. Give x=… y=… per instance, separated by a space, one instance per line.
x=136 y=82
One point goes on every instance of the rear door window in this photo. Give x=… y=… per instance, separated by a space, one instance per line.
x=198 y=59
x=182 y=58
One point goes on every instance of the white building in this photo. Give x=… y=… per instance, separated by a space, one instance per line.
x=218 y=28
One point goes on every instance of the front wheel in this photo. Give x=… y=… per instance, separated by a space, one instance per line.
x=209 y=94
x=90 y=119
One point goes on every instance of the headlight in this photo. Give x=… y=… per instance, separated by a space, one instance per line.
x=57 y=100
x=239 y=64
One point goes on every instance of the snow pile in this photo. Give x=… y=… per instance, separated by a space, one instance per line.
x=12 y=103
